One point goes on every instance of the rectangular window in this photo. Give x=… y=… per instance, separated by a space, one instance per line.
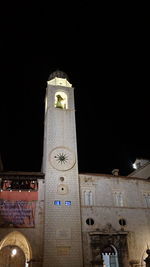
x=118 y=199
x=88 y=198
x=57 y=202
x=147 y=199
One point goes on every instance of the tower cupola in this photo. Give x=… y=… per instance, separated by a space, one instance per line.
x=59 y=78
x=58 y=74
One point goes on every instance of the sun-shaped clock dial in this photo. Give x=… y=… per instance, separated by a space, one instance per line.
x=61 y=158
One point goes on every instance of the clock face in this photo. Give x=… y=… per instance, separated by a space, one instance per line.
x=62 y=158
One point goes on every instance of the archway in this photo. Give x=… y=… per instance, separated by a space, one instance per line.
x=15 y=250
x=110 y=256
x=12 y=256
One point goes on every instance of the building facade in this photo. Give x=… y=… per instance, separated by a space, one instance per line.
x=115 y=219
x=61 y=218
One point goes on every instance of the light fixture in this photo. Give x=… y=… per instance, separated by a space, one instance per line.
x=14 y=252
x=134 y=166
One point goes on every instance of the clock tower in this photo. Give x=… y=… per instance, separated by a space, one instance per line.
x=62 y=224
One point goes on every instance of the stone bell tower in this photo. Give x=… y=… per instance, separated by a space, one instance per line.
x=62 y=234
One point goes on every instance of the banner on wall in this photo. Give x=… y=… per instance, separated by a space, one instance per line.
x=20 y=214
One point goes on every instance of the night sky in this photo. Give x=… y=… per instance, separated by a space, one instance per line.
x=104 y=51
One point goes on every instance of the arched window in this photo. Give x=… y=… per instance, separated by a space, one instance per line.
x=61 y=100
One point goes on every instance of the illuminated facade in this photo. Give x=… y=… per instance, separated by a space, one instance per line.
x=62 y=222
x=61 y=218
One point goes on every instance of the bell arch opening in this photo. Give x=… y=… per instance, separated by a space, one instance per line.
x=61 y=100
x=15 y=242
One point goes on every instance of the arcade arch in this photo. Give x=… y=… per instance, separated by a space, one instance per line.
x=12 y=245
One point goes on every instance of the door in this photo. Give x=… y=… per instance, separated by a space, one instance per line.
x=110 y=258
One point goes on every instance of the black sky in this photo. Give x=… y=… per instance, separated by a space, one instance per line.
x=104 y=50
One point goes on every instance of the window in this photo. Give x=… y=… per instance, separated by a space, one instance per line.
x=118 y=199
x=61 y=100
x=147 y=199
x=88 y=198
x=90 y=221
x=122 y=222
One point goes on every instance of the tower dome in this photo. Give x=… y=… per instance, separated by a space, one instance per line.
x=59 y=78
x=58 y=74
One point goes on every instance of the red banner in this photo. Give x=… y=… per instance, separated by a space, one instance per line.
x=17 y=214
x=19 y=195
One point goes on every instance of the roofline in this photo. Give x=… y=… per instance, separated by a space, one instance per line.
x=115 y=176
x=19 y=173
x=9 y=173
x=139 y=169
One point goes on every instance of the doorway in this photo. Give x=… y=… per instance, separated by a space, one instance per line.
x=15 y=250
x=110 y=256
x=12 y=256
